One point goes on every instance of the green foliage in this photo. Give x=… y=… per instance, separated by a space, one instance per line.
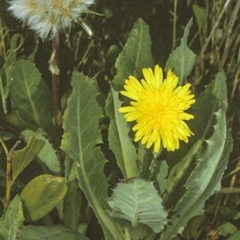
x=182 y=60
x=11 y=220
x=53 y=232
x=161 y=177
x=30 y=94
x=200 y=14
x=22 y=158
x=73 y=200
x=16 y=43
x=81 y=137
x=234 y=236
x=41 y=195
x=227 y=228
x=137 y=201
x=48 y=155
x=210 y=160
x=135 y=55
x=205 y=109
x=119 y=141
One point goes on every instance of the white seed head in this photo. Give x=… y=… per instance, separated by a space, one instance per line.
x=48 y=17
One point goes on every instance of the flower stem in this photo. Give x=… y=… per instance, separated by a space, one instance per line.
x=2 y=92
x=9 y=182
x=141 y=155
x=54 y=68
x=174 y=25
x=127 y=235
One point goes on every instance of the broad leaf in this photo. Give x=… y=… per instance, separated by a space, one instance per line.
x=200 y=15
x=53 y=232
x=30 y=94
x=235 y=236
x=11 y=220
x=72 y=205
x=48 y=155
x=227 y=228
x=182 y=60
x=204 y=116
x=119 y=141
x=135 y=56
x=161 y=176
x=15 y=119
x=137 y=201
x=22 y=158
x=41 y=195
x=211 y=162
x=81 y=137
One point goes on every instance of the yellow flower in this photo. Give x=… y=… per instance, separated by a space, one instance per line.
x=158 y=108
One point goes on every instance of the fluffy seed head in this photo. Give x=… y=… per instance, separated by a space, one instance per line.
x=48 y=17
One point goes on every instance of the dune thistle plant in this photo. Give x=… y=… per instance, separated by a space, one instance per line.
x=141 y=156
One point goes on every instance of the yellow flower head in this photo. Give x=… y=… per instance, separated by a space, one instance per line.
x=48 y=17
x=158 y=108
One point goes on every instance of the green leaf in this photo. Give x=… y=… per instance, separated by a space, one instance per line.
x=203 y=110
x=137 y=201
x=81 y=137
x=235 y=236
x=73 y=199
x=47 y=156
x=22 y=158
x=30 y=94
x=182 y=60
x=119 y=141
x=227 y=228
x=11 y=220
x=16 y=42
x=41 y=195
x=135 y=56
x=146 y=160
x=161 y=176
x=211 y=161
x=193 y=225
x=15 y=119
x=111 y=56
x=200 y=15
x=53 y=232
x=6 y=134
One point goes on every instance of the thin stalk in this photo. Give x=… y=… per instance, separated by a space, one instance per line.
x=2 y=92
x=141 y=154
x=8 y=169
x=3 y=54
x=127 y=235
x=9 y=183
x=174 y=24
x=54 y=68
x=213 y=29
